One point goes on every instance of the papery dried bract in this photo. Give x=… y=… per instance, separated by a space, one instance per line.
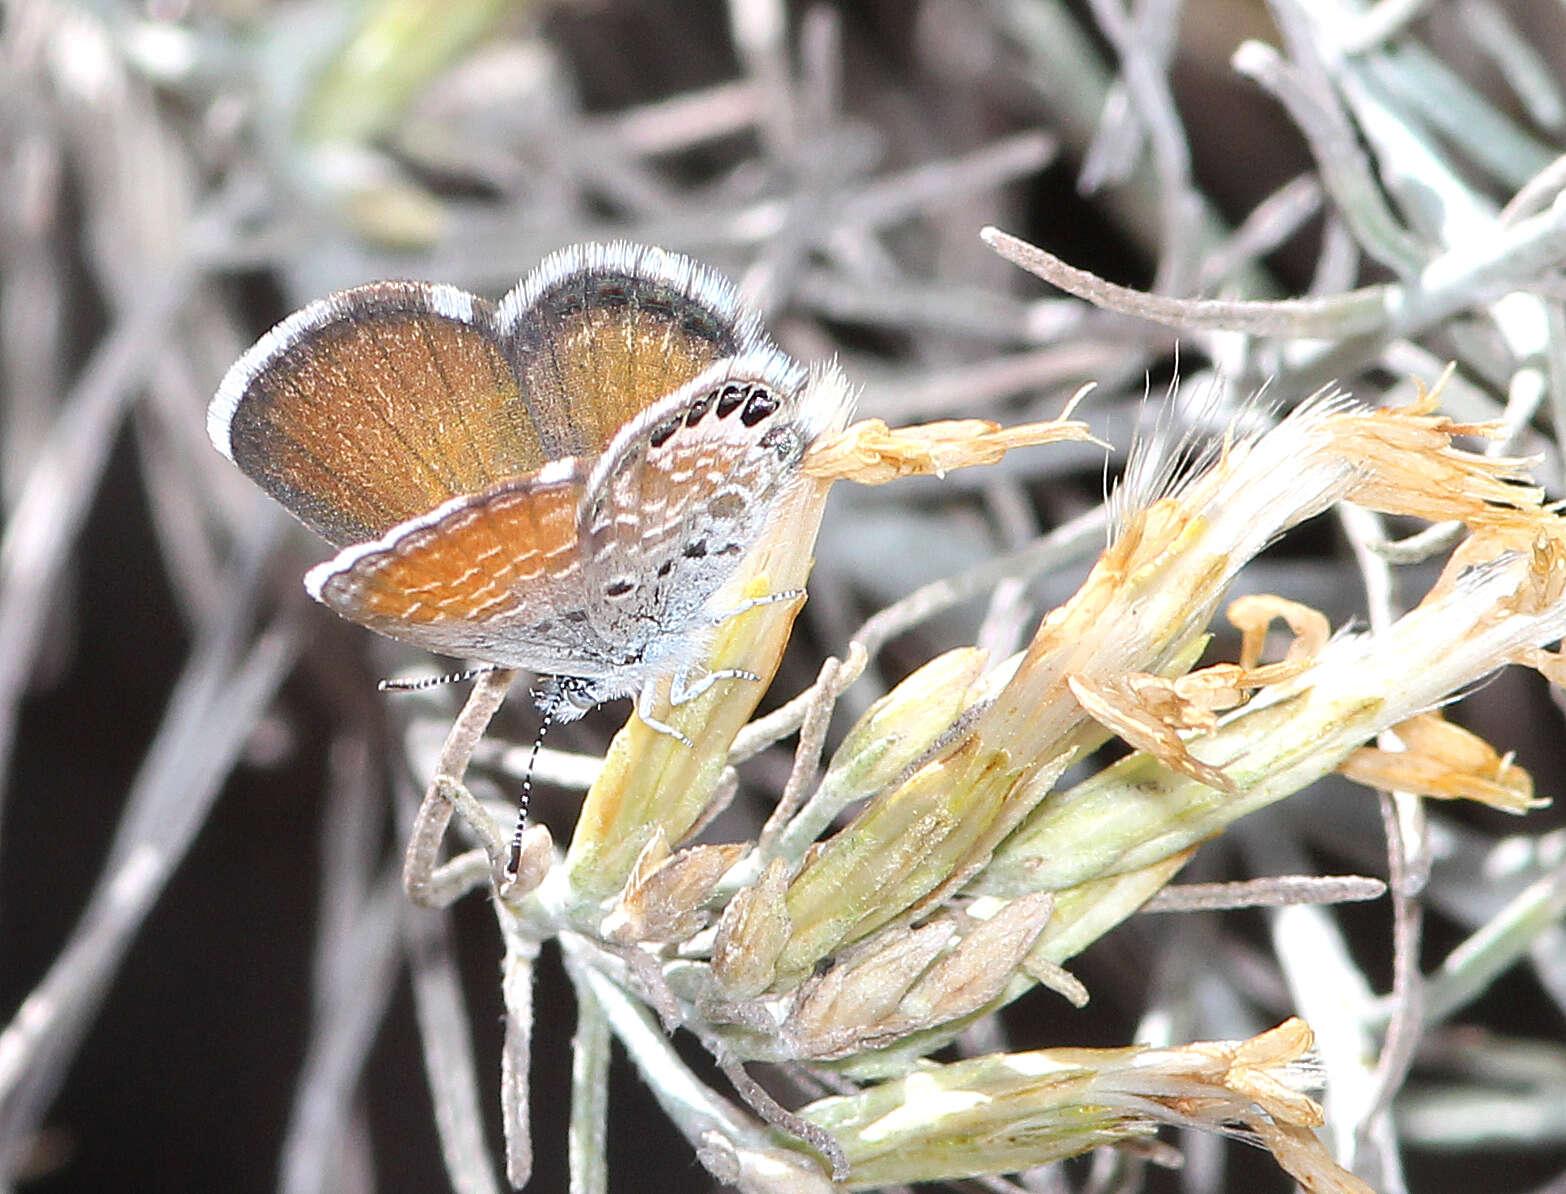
x=982 y=964
x=752 y=932
x=852 y=1007
x=908 y=981
x=663 y=900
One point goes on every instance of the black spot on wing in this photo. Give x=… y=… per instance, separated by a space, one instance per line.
x=758 y=406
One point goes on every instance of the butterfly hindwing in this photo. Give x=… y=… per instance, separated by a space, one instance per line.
x=682 y=494
x=598 y=333
x=496 y=576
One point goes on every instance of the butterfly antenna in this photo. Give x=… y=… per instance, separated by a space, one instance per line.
x=547 y=706
x=434 y=681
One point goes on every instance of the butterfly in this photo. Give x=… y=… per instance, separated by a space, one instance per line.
x=562 y=481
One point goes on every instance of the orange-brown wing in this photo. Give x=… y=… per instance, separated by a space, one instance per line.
x=598 y=333
x=374 y=406
x=496 y=576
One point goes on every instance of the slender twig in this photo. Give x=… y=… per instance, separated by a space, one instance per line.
x=213 y=709
x=516 y=989
x=589 y=1133
x=1277 y=892
x=424 y=880
x=448 y=1054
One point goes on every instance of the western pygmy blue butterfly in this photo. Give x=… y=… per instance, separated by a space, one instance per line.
x=562 y=481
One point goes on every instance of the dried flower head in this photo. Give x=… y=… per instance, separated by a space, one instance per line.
x=964 y=875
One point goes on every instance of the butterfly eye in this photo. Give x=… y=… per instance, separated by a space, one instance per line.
x=782 y=440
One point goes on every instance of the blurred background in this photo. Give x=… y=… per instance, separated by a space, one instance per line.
x=198 y=836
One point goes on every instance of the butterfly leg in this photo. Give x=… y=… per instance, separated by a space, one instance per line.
x=751 y=603
x=681 y=690
x=644 y=703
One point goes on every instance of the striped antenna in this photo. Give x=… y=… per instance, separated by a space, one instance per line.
x=434 y=681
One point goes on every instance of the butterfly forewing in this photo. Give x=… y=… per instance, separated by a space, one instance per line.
x=375 y=406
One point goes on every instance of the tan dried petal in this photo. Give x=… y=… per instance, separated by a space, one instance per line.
x=871 y=453
x=1549 y=664
x=1407 y=464
x=751 y=934
x=1253 y=1066
x=1254 y=613
x=1446 y=762
x=1122 y=712
x=1306 y=1159
x=1546 y=583
x=1188 y=702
